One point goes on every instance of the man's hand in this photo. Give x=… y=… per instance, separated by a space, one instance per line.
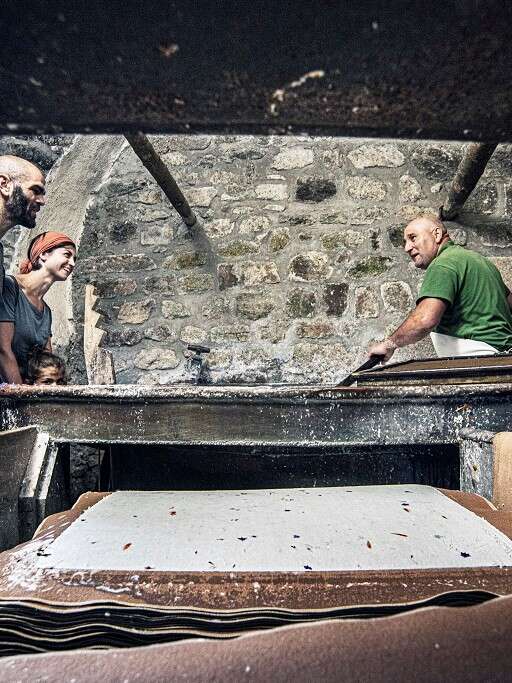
x=384 y=348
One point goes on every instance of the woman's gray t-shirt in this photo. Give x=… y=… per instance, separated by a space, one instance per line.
x=31 y=327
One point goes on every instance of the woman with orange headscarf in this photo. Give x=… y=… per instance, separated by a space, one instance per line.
x=25 y=318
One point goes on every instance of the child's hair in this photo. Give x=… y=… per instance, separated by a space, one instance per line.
x=38 y=360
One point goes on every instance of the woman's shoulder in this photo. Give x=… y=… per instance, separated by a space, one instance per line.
x=11 y=286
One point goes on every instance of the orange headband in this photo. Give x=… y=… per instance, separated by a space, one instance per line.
x=46 y=241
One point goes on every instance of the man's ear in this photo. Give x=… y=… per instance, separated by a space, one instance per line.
x=438 y=235
x=5 y=185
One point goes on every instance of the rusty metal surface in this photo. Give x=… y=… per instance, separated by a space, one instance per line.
x=262 y=415
x=324 y=67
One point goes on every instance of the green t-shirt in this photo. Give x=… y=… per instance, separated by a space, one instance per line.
x=476 y=296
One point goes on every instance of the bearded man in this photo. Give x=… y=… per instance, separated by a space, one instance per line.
x=463 y=302
x=22 y=194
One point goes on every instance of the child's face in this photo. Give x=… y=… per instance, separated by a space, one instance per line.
x=50 y=376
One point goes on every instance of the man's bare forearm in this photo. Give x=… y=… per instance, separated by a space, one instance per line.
x=414 y=328
x=9 y=369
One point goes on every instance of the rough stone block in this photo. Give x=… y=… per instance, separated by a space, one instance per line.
x=191 y=334
x=218 y=228
x=301 y=303
x=293 y=157
x=272 y=191
x=310 y=267
x=459 y=236
x=315 y=329
x=320 y=360
x=370 y=266
x=252 y=273
x=353 y=238
x=367 y=304
x=163 y=284
x=483 y=199
x=182 y=260
x=220 y=359
x=273 y=332
x=161 y=332
x=254 y=224
x=254 y=305
x=367 y=215
x=108 y=289
x=156 y=359
x=409 y=189
x=122 y=232
x=201 y=196
x=497 y=235
x=363 y=187
x=226 y=276
x=332 y=241
x=411 y=211
x=333 y=218
x=397 y=296
x=437 y=162
x=196 y=282
x=115 y=264
x=504 y=265
x=331 y=158
x=215 y=308
x=301 y=219
x=175 y=309
x=314 y=189
x=123 y=337
x=375 y=156
x=230 y=333
x=279 y=239
x=237 y=194
x=396 y=235
x=238 y=248
x=175 y=159
x=508 y=200
x=135 y=312
x=147 y=196
x=156 y=234
x=335 y=298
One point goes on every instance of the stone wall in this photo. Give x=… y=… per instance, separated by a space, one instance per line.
x=295 y=265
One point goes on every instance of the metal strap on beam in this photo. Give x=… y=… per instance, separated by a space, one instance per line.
x=468 y=174
x=154 y=164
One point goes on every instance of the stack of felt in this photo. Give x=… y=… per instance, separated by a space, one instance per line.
x=138 y=568
x=457 y=645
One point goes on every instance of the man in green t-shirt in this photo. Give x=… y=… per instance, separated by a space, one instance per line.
x=463 y=302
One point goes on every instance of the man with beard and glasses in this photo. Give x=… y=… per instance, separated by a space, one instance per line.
x=22 y=194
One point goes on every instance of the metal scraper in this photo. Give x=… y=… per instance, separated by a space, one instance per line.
x=370 y=363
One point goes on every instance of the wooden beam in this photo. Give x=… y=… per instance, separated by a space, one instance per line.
x=154 y=164
x=467 y=176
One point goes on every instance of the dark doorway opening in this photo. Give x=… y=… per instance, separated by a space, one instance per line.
x=129 y=466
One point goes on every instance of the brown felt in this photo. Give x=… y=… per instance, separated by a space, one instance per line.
x=433 y=644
